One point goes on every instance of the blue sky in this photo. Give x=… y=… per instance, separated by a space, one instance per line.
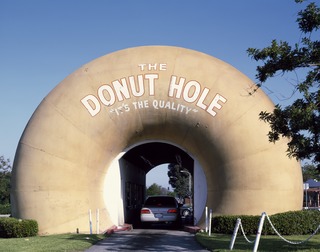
x=43 y=41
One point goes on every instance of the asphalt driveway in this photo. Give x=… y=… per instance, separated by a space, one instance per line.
x=148 y=240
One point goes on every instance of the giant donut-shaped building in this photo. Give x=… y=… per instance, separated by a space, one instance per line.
x=86 y=150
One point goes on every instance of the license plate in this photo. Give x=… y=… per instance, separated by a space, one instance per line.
x=158 y=215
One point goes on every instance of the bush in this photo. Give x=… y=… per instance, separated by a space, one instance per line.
x=5 y=209
x=226 y=224
x=17 y=228
x=288 y=223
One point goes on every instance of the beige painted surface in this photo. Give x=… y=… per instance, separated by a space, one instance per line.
x=64 y=153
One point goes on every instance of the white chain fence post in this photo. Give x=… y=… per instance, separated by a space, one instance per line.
x=90 y=221
x=210 y=221
x=234 y=235
x=256 y=244
x=207 y=222
x=235 y=232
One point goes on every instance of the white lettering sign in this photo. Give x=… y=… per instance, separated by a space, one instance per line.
x=120 y=90
x=191 y=91
x=152 y=67
x=144 y=85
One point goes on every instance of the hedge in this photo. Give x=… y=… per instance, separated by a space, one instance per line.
x=17 y=228
x=288 y=223
x=5 y=209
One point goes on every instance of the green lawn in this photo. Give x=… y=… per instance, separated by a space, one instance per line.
x=52 y=243
x=220 y=242
x=215 y=242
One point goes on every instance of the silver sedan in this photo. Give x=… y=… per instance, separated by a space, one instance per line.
x=160 y=209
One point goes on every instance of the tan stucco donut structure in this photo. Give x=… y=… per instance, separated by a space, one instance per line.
x=64 y=154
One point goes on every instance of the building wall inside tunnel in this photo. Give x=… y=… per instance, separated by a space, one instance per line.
x=200 y=192
x=162 y=93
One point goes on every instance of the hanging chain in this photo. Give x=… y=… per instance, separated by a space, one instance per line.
x=244 y=235
x=291 y=242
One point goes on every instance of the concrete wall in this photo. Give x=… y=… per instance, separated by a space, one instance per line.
x=141 y=94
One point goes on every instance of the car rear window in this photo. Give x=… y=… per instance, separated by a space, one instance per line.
x=160 y=202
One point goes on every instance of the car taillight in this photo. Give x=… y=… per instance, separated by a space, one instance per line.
x=172 y=211
x=145 y=211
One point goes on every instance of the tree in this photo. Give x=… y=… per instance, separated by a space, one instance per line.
x=156 y=189
x=5 y=176
x=300 y=121
x=178 y=180
x=309 y=172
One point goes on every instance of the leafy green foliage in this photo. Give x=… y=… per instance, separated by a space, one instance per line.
x=289 y=223
x=309 y=19
x=16 y=228
x=5 y=166
x=309 y=172
x=300 y=121
x=5 y=209
x=178 y=180
x=156 y=189
x=226 y=224
x=295 y=222
x=5 y=176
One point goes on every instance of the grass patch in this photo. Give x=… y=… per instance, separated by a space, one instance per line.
x=52 y=243
x=221 y=242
